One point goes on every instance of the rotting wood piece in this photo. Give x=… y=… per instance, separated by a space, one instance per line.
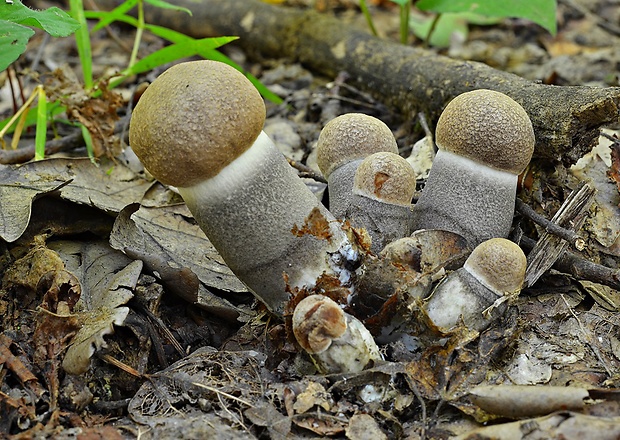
x=565 y=119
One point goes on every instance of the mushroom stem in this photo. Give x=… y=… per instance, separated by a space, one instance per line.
x=268 y=224
x=478 y=204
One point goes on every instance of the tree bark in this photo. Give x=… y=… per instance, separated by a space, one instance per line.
x=566 y=119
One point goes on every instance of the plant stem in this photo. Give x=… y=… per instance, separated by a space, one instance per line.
x=139 y=31
x=427 y=40
x=404 y=22
x=366 y=12
x=82 y=39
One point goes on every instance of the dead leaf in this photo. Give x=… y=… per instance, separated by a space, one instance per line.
x=519 y=401
x=108 y=279
x=314 y=395
x=109 y=187
x=167 y=234
x=364 y=427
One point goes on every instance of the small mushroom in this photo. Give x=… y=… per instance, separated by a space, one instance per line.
x=343 y=143
x=492 y=275
x=383 y=187
x=485 y=141
x=337 y=341
x=198 y=127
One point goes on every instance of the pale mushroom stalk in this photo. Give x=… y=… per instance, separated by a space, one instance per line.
x=383 y=187
x=479 y=291
x=343 y=144
x=198 y=127
x=337 y=341
x=485 y=141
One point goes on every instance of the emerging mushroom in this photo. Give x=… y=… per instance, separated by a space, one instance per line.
x=383 y=187
x=337 y=341
x=198 y=127
x=485 y=141
x=343 y=143
x=492 y=275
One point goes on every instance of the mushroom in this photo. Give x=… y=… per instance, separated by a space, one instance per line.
x=337 y=341
x=485 y=141
x=492 y=275
x=383 y=187
x=343 y=143
x=198 y=127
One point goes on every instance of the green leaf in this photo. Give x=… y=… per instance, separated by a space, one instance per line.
x=541 y=12
x=176 y=51
x=13 y=40
x=212 y=54
x=165 y=5
x=54 y=21
x=447 y=25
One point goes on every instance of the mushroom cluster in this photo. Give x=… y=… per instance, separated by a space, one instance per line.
x=198 y=127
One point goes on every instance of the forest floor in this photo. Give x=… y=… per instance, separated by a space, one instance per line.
x=106 y=276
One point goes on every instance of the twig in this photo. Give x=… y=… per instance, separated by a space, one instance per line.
x=67 y=143
x=581 y=268
x=306 y=171
x=553 y=228
x=549 y=246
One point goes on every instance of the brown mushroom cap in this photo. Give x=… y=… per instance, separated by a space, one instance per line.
x=487 y=127
x=498 y=264
x=349 y=137
x=194 y=120
x=317 y=320
x=386 y=177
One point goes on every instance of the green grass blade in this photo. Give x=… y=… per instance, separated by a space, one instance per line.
x=176 y=51
x=108 y=17
x=41 y=132
x=82 y=39
x=165 y=5
x=212 y=54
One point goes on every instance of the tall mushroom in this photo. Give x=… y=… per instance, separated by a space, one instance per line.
x=485 y=141
x=343 y=143
x=198 y=127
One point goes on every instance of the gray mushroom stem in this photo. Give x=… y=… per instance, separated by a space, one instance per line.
x=467 y=198
x=268 y=225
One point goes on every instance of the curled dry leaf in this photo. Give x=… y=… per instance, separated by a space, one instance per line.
x=517 y=401
x=107 y=279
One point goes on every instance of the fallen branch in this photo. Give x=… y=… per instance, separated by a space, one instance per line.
x=566 y=119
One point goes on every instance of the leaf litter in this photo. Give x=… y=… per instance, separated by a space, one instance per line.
x=73 y=283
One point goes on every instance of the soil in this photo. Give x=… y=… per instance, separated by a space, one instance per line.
x=120 y=320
